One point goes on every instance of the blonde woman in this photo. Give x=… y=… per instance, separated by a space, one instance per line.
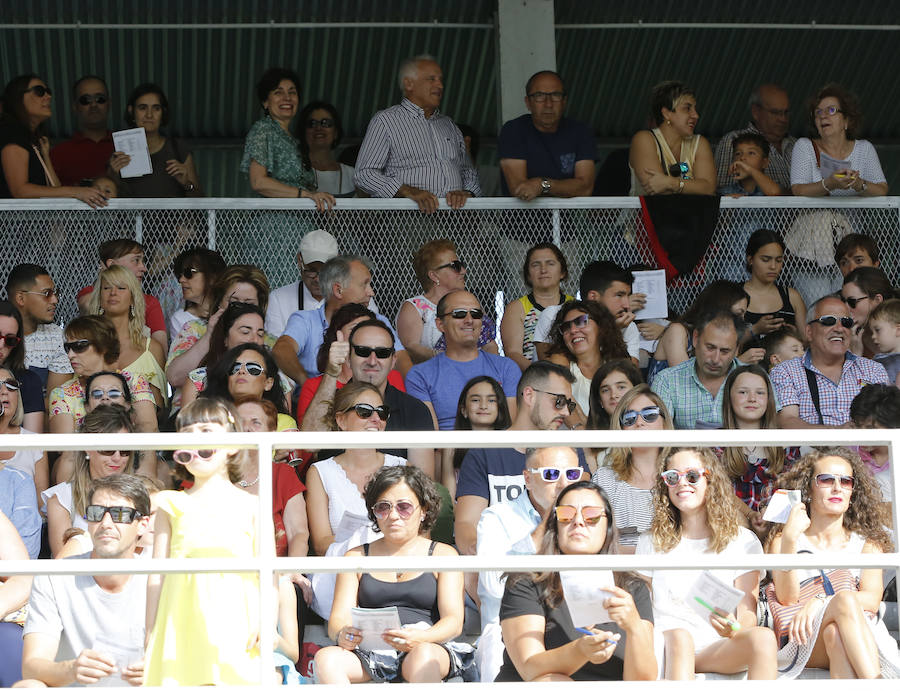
x=628 y=475
x=694 y=513
x=118 y=297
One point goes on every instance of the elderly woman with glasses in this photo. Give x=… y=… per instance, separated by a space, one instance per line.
x=26 y=171
x=440 y=271
x=402 y=504
x=836 y=162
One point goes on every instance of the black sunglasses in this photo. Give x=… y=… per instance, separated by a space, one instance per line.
x=365 y=410
x=11 y=340
x=366 y=351
x=475 y=312
x=187 y=273
x=649 y=414
x=456 y=265
x=253 y=369
x=327 y=123
x=88 y=99
x=853 y=302
x=79 y=346
x=10 y=384
x=119 y=514
x=567 y=325
x=39 y=90
x=560 y=400
x=831 y=320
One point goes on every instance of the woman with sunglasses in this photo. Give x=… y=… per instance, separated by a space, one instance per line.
x=402 y=504
x=839 y=513
x=836 y=162
x=628 y=476
x=118 y=296
x=771 y=306
x=695 y=514
x=107 y=388
x=542 y=643
x=864 y=289
x=67 y=500
x=439 y=270
x=196 y=271
x=318 y=130
x=32 y=462
x=26 y=171
x=203 y=628
x=12 y=356
x=585 y=335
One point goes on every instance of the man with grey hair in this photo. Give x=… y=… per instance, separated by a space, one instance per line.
x=343 y=279
x=412 y=150
x=770 y=117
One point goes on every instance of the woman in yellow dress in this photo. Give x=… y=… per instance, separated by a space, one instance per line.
x=203 y=627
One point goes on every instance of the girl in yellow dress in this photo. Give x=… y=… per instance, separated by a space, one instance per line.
x=203 y=627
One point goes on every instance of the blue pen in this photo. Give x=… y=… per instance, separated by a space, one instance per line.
x=586 y=632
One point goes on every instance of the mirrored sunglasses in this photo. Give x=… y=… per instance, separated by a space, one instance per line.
x=253 y=369
x=553 y=474
x=119 y=514
x=382 y=509
x=692 y=475
x=111 y=394
x=649 y=414
x=591 y=515
x=829 y=480
x=831 y=320
x=567 y=325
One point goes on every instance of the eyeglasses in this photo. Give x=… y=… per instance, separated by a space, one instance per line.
x=366 y=351
x=88 y=99
x=252 y=368
x=692 y=475
x=591 y=515
x=831 y=320
x=187 y=273
x=47 y=293
x=649 y=414
x=119 y=514
x=830 y=110
x=79 y=346
x=541 y=96
x=456 y=265
x=327 y=123
x=829 y=479
x=113 y=452
x=39 y=90
x=580 y=322
x=11 y=340
x=382 y=509
x=475 y=313
x=111 y=394
x=853 y=302
x=9 y=384
x=185 y=456
x=364 y=411
x=777 y=112
x=553 y=474
x=561 y=400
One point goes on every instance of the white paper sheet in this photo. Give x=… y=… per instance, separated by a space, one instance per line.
x=122 y=652
x=350 y=523
x=828 y=165
x=780 y=505
x=715 y=592
x=373 y=622
x=652 y=284
x=585 y=594
x=134 y=143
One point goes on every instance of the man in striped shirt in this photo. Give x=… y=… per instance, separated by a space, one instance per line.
x=412 y=150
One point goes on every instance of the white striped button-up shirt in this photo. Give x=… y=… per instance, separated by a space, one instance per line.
x=403 y=147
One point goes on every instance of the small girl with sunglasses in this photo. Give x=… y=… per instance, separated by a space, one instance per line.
x=694 y=514
x=203 y=627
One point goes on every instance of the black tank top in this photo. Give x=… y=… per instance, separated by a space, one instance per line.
x=415 y=600
x=786 y=310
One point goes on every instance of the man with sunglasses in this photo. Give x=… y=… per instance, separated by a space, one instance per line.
x=82 y=629
x=692 y=390
x=817 y=388
x=31 y=289
x=438 y=382
x=85 y=156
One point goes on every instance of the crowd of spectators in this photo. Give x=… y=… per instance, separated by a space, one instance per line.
x=316 y=354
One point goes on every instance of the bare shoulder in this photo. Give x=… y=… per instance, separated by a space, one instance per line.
x=444 y=550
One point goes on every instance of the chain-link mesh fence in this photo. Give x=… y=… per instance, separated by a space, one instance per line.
x=491 y=235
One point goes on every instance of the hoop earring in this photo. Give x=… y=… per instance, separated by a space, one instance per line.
x=131 y=311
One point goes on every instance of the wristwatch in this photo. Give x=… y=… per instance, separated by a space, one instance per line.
x=189 y=187
x=545 y=186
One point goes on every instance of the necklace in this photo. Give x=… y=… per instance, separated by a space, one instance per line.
x=250 y=483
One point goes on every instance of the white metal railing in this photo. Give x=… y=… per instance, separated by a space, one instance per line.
x=267 y=566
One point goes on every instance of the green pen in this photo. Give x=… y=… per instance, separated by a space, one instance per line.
x=735 y=625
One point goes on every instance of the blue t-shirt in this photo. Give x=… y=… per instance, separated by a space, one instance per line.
x=548 y=154
x=440 y=380
x=891 y=362
x=496 y=474
x=738 y=188
x=18 y=502
x=307 y=328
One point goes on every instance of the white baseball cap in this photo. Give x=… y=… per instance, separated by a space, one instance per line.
x=318 y=246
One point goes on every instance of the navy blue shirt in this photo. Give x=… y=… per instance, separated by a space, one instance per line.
x=548 y=154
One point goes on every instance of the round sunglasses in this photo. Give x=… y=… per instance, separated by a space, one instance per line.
x=111 y=394
x=591 y=515
x=692 y=475
x=185 y=456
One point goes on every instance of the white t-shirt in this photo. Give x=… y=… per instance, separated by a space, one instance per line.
x=630 y=334
x=24 y=459
x=670 y=587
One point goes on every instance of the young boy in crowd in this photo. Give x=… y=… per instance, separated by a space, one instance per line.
x=782 y=345
x=884 y=322
x=856 y=250
x=750 y=160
